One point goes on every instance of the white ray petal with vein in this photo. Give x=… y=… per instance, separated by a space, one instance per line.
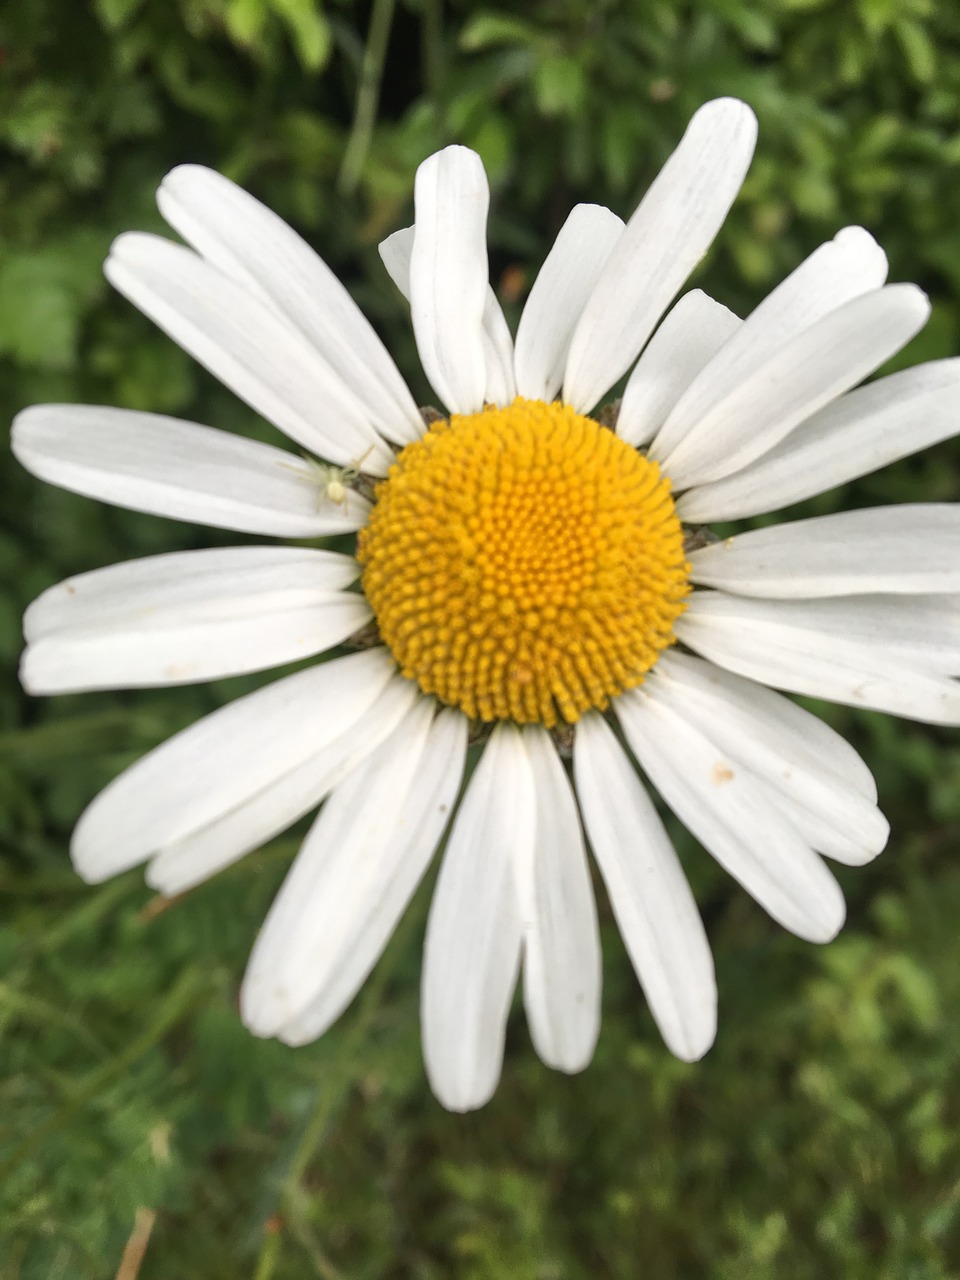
x=691 y=334
x=559 y=293
x=806 y=736
x=241 y=236
x=755 y=733
x=351 y=881
x=924 y=634
x=206 y=770
x=395 y=253
x=500 y=386
x=448 y=275
x=474 y=933
x=910 y=549
x=419 y=828
x=148 y=462
x=730 y=814
x=499 y=383
x=561 y=957
x=823 y=362
x=842 y=269
x=187 y=617
x=859 y=433
x=134 y=591
x=648 y=890
x=767 y=641
x=259 y=817
x=190 y=652
x=245 y=342
x=667 y=236
x=821 y=831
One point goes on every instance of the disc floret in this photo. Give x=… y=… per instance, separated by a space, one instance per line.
x=524 y=563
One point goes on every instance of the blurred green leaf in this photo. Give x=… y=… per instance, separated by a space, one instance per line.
x=484 y=30
x=44 y=294
x=309 y=29
x=560 y=85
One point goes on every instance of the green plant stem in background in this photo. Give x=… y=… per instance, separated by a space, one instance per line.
x=368 y=96
x=431 y=46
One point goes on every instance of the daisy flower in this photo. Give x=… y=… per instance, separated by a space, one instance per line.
x=526 y=576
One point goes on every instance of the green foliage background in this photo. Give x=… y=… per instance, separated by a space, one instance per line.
x=821 y=1137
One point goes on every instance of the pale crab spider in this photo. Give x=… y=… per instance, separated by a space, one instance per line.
x=334 y=481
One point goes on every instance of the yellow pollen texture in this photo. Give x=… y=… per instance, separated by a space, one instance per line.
x=524 y=563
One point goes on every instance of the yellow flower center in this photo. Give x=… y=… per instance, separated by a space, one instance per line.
x=524 y=563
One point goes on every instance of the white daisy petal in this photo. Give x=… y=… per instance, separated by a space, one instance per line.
x=426 y=814
x=842 y=269
x=180 y=579
x=244 y=341
x=730 y=813
x=472 y=947
x=649 y=894
x=661 y=244
x=859 y=433
x=561 y=958
x=807 y=739
x=353 y=878
x=187 y=617
x=782 y=644
x=691 y=334
x=395 y=253
x=750 y=725
x=499 y=383
x=821 y=828
x=259 y=817
x=925 y=634
x=824 y=361
x=206 y=770
x=148 y=462
x=448 y=275
x=910 y=549
x=564 y=283
x=249 y=242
